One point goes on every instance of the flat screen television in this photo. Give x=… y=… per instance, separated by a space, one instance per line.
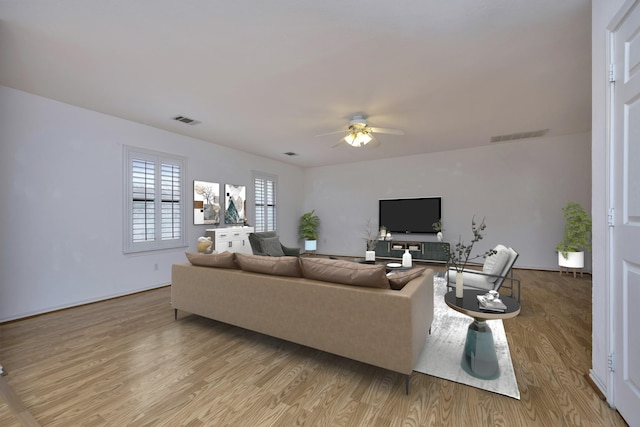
x=410 y=215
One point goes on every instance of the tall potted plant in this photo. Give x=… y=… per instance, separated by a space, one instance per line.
x=577 y=231
x=308 y=230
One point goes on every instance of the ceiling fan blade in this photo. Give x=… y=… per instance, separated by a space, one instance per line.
x=333 y=133
x=389 y=131
x=374 y=143
x=340 y=141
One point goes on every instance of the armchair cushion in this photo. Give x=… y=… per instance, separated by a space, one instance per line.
x=271 y=246
x=495 y=263
x=475 y=280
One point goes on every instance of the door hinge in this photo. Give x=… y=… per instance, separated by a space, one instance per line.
x=610 y=217
x=612 y=72
x=610 y=363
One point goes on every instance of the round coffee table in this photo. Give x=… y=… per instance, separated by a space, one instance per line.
x=479 y=357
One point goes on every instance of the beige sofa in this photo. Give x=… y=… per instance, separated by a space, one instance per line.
x=381 y=327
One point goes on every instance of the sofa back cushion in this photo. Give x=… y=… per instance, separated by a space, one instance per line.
x=345 y=272
x=276 y=266
x=222 y=260
x=271 y=246
x=398 y=279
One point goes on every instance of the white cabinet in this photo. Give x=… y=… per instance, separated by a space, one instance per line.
x=232 y=239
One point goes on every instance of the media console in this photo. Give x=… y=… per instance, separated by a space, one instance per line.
x=427 y=251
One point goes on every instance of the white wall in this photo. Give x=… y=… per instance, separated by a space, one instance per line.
x=520 y=187
x=602 y=12
x=61 y=183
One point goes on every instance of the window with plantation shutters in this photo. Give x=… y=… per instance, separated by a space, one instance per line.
x=264 y=190
x=154 y=206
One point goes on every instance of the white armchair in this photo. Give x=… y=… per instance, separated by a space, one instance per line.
x=496 y=273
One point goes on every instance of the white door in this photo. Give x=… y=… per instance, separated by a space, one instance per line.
x=625 y=171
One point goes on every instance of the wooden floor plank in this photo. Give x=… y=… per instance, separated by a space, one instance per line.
x=126 y=361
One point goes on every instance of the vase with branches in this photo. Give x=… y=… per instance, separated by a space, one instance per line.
x=371 y=239
x=460 y=255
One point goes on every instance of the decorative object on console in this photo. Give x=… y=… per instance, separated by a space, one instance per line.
x=461 y=254
x=206 y=202
x=308 y=229
x=406 y=259
x=577 y=229
x=204 y=245
x=236 y=196
x=383 y=232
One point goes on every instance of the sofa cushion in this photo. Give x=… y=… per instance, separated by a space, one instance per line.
x=398 y=279
x=276 y=266
x=271 y=246
x=495 y=263
x=222 y=260
x=345 y=272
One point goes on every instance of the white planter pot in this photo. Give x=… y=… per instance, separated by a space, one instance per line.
x=370 y=255
x=310 y=245
x=573 y=260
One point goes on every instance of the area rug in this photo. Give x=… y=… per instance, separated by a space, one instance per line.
x=442 y=352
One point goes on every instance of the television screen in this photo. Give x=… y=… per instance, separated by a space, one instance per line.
x=410 y=215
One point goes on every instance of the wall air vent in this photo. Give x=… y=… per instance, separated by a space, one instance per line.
x=186 y=120
x=520 y=135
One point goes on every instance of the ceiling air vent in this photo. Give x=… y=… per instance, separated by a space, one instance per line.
x=290 y=153
x=520 y=135
x=186 y=120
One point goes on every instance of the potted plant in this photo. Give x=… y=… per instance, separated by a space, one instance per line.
x=461 y=253
x=577 y=230
x=371 y=238
x=308 y=230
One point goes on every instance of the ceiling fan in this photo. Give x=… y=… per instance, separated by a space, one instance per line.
x=359 y=133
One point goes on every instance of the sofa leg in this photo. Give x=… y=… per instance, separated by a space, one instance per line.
x=406 y=384
x=175 y=314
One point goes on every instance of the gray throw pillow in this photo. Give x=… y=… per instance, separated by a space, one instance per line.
x=271 y=246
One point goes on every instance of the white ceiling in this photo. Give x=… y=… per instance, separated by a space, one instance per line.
x=267 y=76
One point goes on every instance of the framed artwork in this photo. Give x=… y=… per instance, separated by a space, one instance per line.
x=235 y=202
x=206 y=202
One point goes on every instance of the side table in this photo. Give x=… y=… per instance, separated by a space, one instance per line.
x=479 y=356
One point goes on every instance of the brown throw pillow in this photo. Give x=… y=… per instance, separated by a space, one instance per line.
x=397 y=280
x=223 y=260
x=276 y=266
x=345 y=272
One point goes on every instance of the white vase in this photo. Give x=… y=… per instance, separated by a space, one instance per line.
x=406 y=258
x=370 y=255
x=459 y=284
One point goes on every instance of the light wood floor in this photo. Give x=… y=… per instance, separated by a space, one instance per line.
x=127 y=362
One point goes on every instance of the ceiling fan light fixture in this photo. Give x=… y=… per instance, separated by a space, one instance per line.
x=357 y=139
